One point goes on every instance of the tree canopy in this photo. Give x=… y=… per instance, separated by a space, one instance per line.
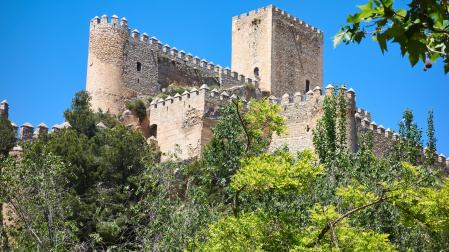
x=109 y=190
x=422 y=31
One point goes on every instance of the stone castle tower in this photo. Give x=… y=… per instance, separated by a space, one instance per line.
x=280 y=56
x=111 y=69
x=271 y=49
x=283 y=53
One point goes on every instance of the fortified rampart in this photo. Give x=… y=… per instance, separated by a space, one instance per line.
x=123 y=67
x=279 y=54
x=27 y=132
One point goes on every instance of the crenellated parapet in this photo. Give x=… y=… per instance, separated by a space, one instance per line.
x=101 y=23
x=4 y=109
x=271 y=8
x=225 y=76
x=280 y=51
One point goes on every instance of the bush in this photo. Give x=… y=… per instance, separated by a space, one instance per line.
x=162 y=95
x=140 y=108
x=131 y=105
x=214 y=86
x=249 y=86
x=173 y=89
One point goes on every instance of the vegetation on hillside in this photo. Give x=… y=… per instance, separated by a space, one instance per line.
x=91 y=188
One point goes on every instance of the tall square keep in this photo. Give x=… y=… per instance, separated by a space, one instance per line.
x=280 y=51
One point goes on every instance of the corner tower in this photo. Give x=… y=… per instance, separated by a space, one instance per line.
x=106 y=63
x=280 y=51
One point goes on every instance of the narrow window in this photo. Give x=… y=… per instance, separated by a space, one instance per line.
x=139 y=66
x=256 y=72
x=307 y=86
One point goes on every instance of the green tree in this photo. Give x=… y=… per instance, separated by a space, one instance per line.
x=80 y=116
x=422 y=31
x=238 y=133
x=40 y=204
x=431 y=140
x=7 y=141
x=7 y=138
x=329 y=135
x=409 y=146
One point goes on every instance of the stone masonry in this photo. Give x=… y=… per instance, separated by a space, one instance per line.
x=274 y=55
x=280 y=51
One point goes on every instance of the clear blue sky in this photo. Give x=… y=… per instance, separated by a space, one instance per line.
x=44 y=47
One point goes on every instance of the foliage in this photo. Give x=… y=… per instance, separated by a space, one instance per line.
x=237 y=135
x=140 y=108
x=168 y=217
x=7 y=137
x=329 y=135
x=409 y=146
x=215 y=87
x=255 y=21
x=249 y=86
x=431 y=140
x=110 y=191
x=422 y=31
x=279 y=173
x=175 y=89
x=249 y=232
x=80 y=116
x=37 y=193
x=162 y=95
x=161 y=57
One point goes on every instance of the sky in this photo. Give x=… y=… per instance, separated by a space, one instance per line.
x=44 y=46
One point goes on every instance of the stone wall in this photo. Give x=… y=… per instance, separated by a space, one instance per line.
x=124 y=67
x=284 y=51
x=297 y=55
x=302 y=113
x=106 y=64
x=252 y=45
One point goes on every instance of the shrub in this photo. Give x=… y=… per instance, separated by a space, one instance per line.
x=131 y=105
x=162 y=95
x=173 y=89
x=214 y=86
x=161 y=57
x=249 y=86
x=141 y=109
x=255 y=21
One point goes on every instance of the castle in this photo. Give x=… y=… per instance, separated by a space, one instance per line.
x=274 y=55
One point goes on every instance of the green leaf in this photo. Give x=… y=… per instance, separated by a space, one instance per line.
x=339 y=37
x=366 y=7
x=382 y=40
x=416 y=50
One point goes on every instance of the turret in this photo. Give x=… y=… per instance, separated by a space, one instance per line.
x=106 y=62
x=26 y=132
x=4 y=108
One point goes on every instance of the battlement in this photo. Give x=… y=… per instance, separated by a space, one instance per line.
x=150 y=55
x=97 y=23
x=204 y=93
x=278 y=12
x=226 y=77
x=312 y=96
